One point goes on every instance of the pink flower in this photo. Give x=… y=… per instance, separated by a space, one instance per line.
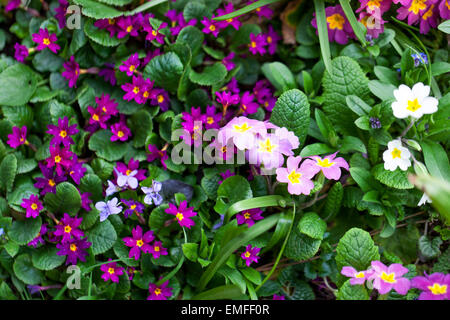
x=138 y=242
x=45 y=40
x=68 y=228
x=158 y=250
x=161 y=292
x=32 y=205
x=132 y=165
x=18 y=137
x=111 y=271
x=339 y=29
x=130 y=65
x=298 y=179
x=373 y=23
x=263 y=11
x=210 y=26
x=269 y=151
x=329 y=165
x=243 y=132
x=228 y=61
x=250 y=255
x=234 y=22
x=154 y=34
x=249 y=216
x=412 y=9
x=59 y=158
x=429 y=19
x=71 y=71
x=20 y=52
x=120 y=131
x=182 y=214
x=387 y=278
x=225 y=175
x=435 y=286
x=357 y=277
x=257 y=44
x=444 y=9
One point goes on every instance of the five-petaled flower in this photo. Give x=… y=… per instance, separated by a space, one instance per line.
x=45 y=40
x=68 y=228
x=32 y=205
x=387 y=278
x=62 y=132
x=74 y=249
x=249 y=216
x=108 y=208
x=357 y=277
x=250 y=255
x=18 y=137
x=182 y=214
x=413 y=102
x=297 y=177
x=159 y=292
x=329 y=165
x=139 y=242
x=111 y=271
x=396 y=156
x=435 y=286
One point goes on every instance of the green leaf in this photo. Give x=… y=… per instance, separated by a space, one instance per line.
x=384 y=91
x=24 y=231
x=230 y=291
x=6 y=292
x=12 y=248
x=316 y=149
x=141 y=126
x=292 y=112
x=17 y=85
x=192 y=37
x=248 y=8
x=118 y=3
x=190 y=251
x=300 y=246
x=102 y=236
x=352 y=292
x=445 y=27
x=101 y=143
x=357 y=105
x=143 y=7
x=165 y=70
x=210 y=75
x=325 y=127
x=45 y=258
x=122 y=252
x=66 y=199
x=43 y=94
x=333 y=201
x=430 y=248
x=279 y=76
x=436 y=160
x=24 y=270
x=96 y=10
x=8 y=169
x=100 y=36
x=234 y=189
x=322 y=29
x=364 y=179
x=350 y=143
x=386 y=75
x=252 y=275
x=312 y=225
x=395 y=179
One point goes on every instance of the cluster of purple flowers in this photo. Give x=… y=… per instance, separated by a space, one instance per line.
x=259 y=42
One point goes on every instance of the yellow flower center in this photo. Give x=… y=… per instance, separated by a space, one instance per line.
x=140 y=243
x=359 y=275
x=136 y=90
x=247 y=254
x=210 y=120
x=51 y=182
x=372 y=4
x=325 y=163
x=129 y=28
x=212 y=27
x=73 y=247
x=179 y=216
x=46 y=41
x=269 y=39
x=120 y=134
x=294 y=177
x=258 y=9
x=253 y=44
x=111 y=21
x=133 y=206
x=67 y=229
x=247 y=215
x=266 y=146
x=57 y=159
x=160 y=98
x=157 y=291
x=447 y=4
x=154 y=33
x=413 y=105
x=132 y=67
x=429 y=13
x=95 y=117
x=417 y=5
x=146 y=94
x=128 y=172
x=242 y=128
x=111 y=270
x=63 y=133
x=230 y=20
x=390 y=278
x=156 y=249
x=224 y=149
x=34 y=206
x=437 y=289
x=336 y=21
x=396 y=153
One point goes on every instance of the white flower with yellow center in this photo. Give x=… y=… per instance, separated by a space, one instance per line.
x=413 y=102
x=396 y=156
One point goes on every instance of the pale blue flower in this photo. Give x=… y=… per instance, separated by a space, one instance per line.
x=1 y=232
x=152 y=193
x=108 y=208
x=127 y=180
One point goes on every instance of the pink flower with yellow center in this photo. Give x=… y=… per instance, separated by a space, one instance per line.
x=329 y=165
x=45 y=40
x=339 y=29
x=298 y=178
x=387 y=278
x=182 y=214
x=243 y=132
x=357 y=277
x=435 y=286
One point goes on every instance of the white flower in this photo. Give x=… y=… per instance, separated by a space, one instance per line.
x=396 y=156
x=413 y=102
x=423 y=200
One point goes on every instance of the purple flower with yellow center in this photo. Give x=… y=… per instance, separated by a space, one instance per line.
x=71 y=71
x=12 y=5
x=130 y=272
x=435 y=286
x=77 y=170
x=228 y=61
x=373 y=23
x=272 y=39
x=210 y=27
x=387 y=278
x=109 y=25
x=262 y=90
x=339 y=29
x=247 y=104
x=49 y=181
x=45 y=40
x=155 y=153
x=263 y=11
x=111 y=271
x=357 y=277
x=182 y=214
x=68 y=228
x=108 y=73
x=107 y=104
x=32 y=205
x=444 y=9
x=227 y=99
x=139 y=242
x=120 y=131
x=160 y=98
x=20 y=52
x=257 y=44
x=152 y=195
x=234 y=22
x=233 y=85
x=178 y=22
x=62 y=132
x=298 y=178
x=38 y=239
x=60 y=158
x=249 y=216
x=128 y=26
x=98 y=117
x=225 y=175
x=155 y=34
x=134 y=90
x=372 y=6
x=158 y=250
x=412 y=9
x=74 y=249
x=212 y=118
x=329 y=165
x=161 y=292
x=250 y=255
x=85 y=201
x=130 y=65
x=133 y=206
x=278 y=297
x=132 y=166
x=18 y=137
x=429 y=19
x=61 y=13
x=108 y=208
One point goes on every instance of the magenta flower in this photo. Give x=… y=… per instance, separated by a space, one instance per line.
x=212 y=118
x=250 y=255
x=59 y=158
x=109 y=25
x=277 y=297
x=120 y=131
x=233 y=85
x=272 y=39
x=98 y=117
x=107 y=105
x=71 y=71
x=370 y=6
x=247 y=105
x=38 y=239
x=329 y=165
x=45 y=40
x=429 y=19
x=158 y=250
x=68 y=228
x=135 y=90
x=160 y=97
x=155 y=34
x=435 y=286
x=77 y=170
x=182 y=214
x=412 y=9
x=62 y=132
x=178 y=22
x=108 y=74
x=130 y=272
x=18 y=137
x=225 y=175
x=357 y=277
x=32 y=206
x=161 y=292
x=227 y=99
x=111 y=271
x=133 y=206
x=132 y=165
x=210 y=27
x=155 y=153
x=85 y=201
x=128 y=26
x=74 y=249
x=257 y=44
x=339 y=29
x=228 y=61
x=298 y=179
x=12 y=5
x=150 y=55
x=249 y=216
x=20 y=52
x=234 y=22
x=263 y=11
x=49 y=181
x=387 y=278
x=61 y=13
x=444 y=9
x=139 y=242
x=130 y=65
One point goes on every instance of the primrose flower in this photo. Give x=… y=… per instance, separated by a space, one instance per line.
x=212 y=118
x=128 y=26
x=257 y=44
x=413 y=102
x=111 y=271
x=98 y=117
x=61 y=13
x=74 y=249
x=263 y=11
x=68 y=228
x=228 y=61
x=178 y=22
x=444 y=9
x=152 y=195
x=357 y=277
x=387 y=278
x=32 y=206
x=249 y=216
x=210 y=26
x=12 y=5
x=234 y=22
x=59 y=158
x=373 y=22
x=71 y=71
x=380 y=6
x=243 y=132
x=132 y=165
x=77 y=170
x=269 y=151
x=429 y=19
x=108 y=208
x=133 y=90
x=109 y=25
x=107 y=105
x=412 y=9
x=138 y=242
x=155 y=153
x=250 y=255
x=158 y=250
x=339 y=29
x=38 y=239
x=272 y=39
x=130 y=272
x=108 y=74
x=49 y=181
x=225 y=175
x=133 y=206
x=120 y=131
x=396 y=156
x=85 y=201
x=435 y=286
x=182 y=214
x=20 y=52
x=130 y=65
x=247 y=105
x=62 y=132
x=45 y=40
x=18 y=137
x=160 y=98
x=329 y=165
x=154 y=34
x=227 y=99
x=161 y=292
x=298 y=178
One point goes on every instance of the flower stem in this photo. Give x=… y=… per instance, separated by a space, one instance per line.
x=408 y=128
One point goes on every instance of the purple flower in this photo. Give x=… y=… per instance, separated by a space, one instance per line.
x=111 y=271
x=128 y=26
x=412 y=9
x=32 y=206
x=370 y=6
x=138 y=242
x=182 y=214
x=357 y=277
x=130 y=65
x=74 y=249
x=250 y=255
x=71 y=71
x=49 y=181
x=277 y=297
x=38 y=239
x=375 y=123
x=257 y=44
x=225 y=175
x=77 y=170
x=228 y=61
x=152 y=195
x=178 y=22
x=109 y=25
x=158 y=250
x=373 y=23
x=247 y=105
x=107 y=105
x=444 y=9
x=329 y=165
x=232 y=86
x=387 y=278
x=155 y=153
x=135 y=90
x=46 y=40
x=112 y=188
x=62 y=132
x=160 y=98
x=272 y=39
x=20 y=52
x=132 y=165
x=210 y=26
x=161 y=292
x=130 y=272
x=108 y=208
x=98 y=117
x=12 y=5
x=212 y=118
x=85 y=201
x=61 y=13
x=339 y=29
x=59 y=158
x=429 y=19
x=18 y=137
x=154 y=34
x=419 y=59
x=298 y=179
x=108 y=74
x=227 y=99
x=133 y=206
x=68 y=228
x=435 y=286
x=234 y=22
x=249 y=216
x=120 y=131
x=263 y=11
x=150 y=55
